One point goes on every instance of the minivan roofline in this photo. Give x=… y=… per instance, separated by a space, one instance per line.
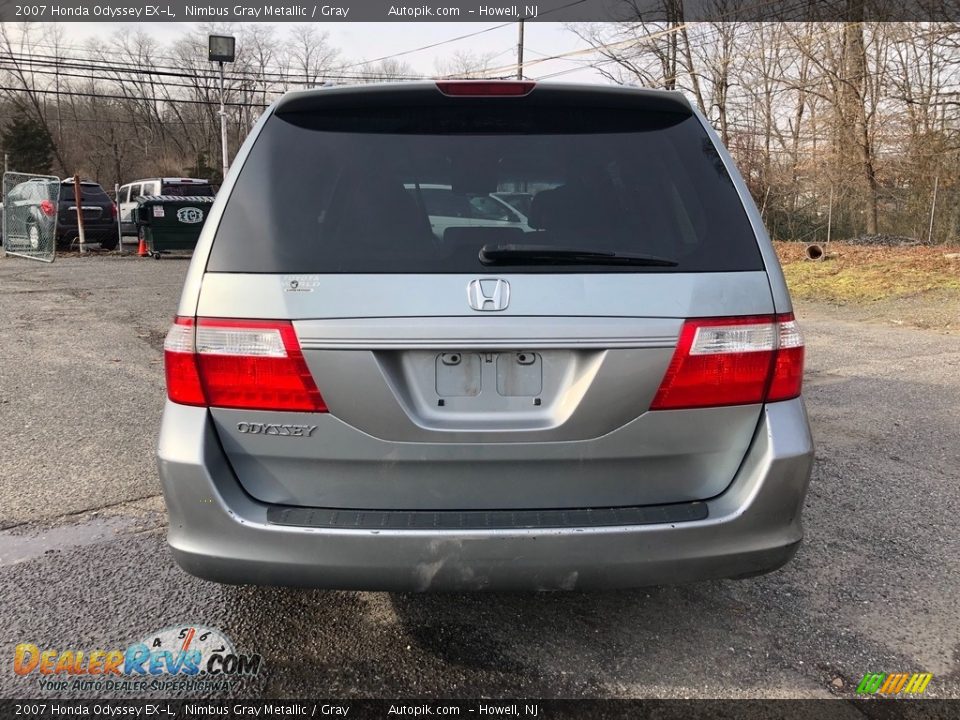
x=427 y=93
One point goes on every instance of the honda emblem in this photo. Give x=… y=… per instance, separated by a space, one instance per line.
x=488 y=294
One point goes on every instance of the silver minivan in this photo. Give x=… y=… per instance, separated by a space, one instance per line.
x=604 y=395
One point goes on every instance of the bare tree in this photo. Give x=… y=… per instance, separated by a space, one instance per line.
x=464 y=64
x=386 y=70
x=311 y=57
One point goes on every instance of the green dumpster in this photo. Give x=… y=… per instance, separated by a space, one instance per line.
x=170 y=222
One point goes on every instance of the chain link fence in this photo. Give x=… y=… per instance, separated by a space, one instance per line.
x=31 y=204
x=926 y=214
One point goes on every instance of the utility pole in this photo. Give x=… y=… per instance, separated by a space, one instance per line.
x=59 y=115
x=223 y=126
x=222 y=49
x=520 y=52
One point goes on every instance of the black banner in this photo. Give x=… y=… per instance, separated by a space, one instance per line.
x=477 y=10
x=531 y=709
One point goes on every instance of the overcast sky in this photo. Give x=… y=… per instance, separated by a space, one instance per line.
x=363 y=41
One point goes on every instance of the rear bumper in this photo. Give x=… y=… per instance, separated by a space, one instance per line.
x=91 y=231
x=220 y=533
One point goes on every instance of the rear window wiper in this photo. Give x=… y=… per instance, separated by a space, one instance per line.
x=522 y=254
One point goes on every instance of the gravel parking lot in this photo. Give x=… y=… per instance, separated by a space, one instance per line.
x=83 y=562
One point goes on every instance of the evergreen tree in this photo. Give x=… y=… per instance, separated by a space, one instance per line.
x=29 y=147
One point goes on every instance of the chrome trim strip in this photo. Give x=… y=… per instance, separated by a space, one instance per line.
x=487 y=333
x=356 y=343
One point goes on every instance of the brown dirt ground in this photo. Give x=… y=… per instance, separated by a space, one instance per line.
x=917 y=286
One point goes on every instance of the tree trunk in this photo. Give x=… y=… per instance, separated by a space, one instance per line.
x=855 y=70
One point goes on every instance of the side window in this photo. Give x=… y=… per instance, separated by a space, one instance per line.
x=124 y=195
x=136 y=191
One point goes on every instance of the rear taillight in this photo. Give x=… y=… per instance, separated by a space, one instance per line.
x=248 y=364
x=486 y=88
x=48 y=208
x=733 y=361
x=113 y=210
x=787 y=376
x=180 y=364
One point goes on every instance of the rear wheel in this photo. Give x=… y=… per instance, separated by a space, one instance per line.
x=109 y=243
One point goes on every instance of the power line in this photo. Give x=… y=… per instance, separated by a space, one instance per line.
x=102 y=96
x=286 y=73
x=252 y=87
x=96 y=78
x=130 y=69
x=431 y=45
x=235 y=72
x=117 y=121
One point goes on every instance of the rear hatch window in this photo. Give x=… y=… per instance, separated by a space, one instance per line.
x=187 y=190
x=424 y=189
x=88 y=191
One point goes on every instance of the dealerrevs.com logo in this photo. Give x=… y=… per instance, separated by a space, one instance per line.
x=188 y=657
x=894 y=683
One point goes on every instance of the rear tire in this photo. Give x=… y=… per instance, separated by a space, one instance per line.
x=109 y=243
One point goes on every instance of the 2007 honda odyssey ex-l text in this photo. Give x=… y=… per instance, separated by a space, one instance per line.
x=375 y=385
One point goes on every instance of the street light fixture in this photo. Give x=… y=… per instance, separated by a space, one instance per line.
x=222 y=49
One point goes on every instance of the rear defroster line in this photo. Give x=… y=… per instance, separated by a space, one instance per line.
x=346 y=519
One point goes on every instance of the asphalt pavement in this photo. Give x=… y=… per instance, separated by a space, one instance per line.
x=83 y=562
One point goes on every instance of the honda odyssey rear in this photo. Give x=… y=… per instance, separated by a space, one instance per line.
x=373 y=384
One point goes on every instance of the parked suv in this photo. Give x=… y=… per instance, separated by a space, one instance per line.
x=609 y=396
x=38 y=214
x=180 y=187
